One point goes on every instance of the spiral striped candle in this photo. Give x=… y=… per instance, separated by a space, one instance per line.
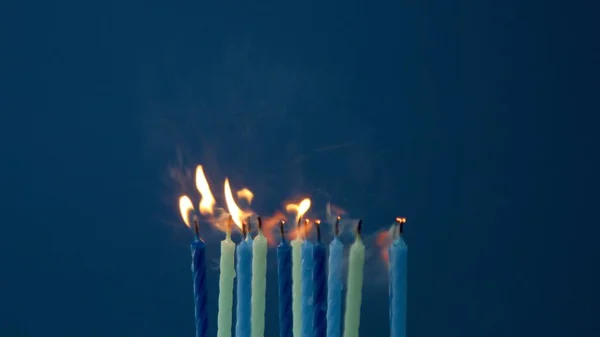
x=320 y=287
x=199 y=276
x=334 y=287
x=307 y=289
x=284 y=278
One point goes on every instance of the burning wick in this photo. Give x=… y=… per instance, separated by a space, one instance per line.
x=281 y=224
x=244 y=229
x=318 y=225
x=259 y=224
x=196 y=226
x=306 y=223
x=359 y=228
x=337 y=226
x=299 y=228
x=228 y=229
x=400 y=223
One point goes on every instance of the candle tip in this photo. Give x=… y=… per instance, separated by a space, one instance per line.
x=359 y=228
x=318 y=225
x=281 y=224
x=196 y=227
x=400 y=223
x=260 y=227
x=244 y=229
x=305 y=229
x=337 y=226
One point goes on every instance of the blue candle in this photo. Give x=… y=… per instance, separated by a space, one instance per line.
x=398 y=253
x=244 y=286
x=284 y=275
x=199 y=276
x=334 y=285
x=307 y=288
x=320 y=287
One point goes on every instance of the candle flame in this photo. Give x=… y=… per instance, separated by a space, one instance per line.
x=237 y=214
x=207 y=202
x=245 y=194
x=300 y=208
x=185 y=207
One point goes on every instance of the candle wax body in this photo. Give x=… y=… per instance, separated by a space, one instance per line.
x=244 y=288
x=199 y=277
x=307 y=289
x=334 y=288
x=227 y=274
x=355 y=282
x=259 y=284
x=320 y=291
x=297 y=286
x=284 y=282
x=398 y=252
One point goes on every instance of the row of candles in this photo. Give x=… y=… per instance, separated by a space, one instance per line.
x=309 y=285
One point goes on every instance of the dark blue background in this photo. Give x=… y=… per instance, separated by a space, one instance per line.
x=476 y=120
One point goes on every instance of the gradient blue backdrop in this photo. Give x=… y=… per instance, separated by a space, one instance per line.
x=475 y=120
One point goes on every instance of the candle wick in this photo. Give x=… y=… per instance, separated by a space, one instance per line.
x=318 y=225
x=299 y=228
x=337 y=226
x=359 y=228
x=260 y=227
x=281 y=224
x=196 y=227
x=400 y=223
x=244 y=230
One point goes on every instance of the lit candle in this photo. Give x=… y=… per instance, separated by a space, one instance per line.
x=297 y=282
x=198 y=249
x=334 y=285
x=398 y=253
x=227 y=274
x=307 y=286
x=244 y=281
x=259 y=282
x=284 y=278
x=355 y=284
x=320 y=286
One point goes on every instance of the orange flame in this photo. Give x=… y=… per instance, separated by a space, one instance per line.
x=185 y=207
x=245 y=194
x=208 y=201
x=300 y=208
x=237 y=214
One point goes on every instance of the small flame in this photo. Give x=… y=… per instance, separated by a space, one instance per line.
x=245 y=194
x=208 y=201
x=300 y=208
x=185 y=207
x=237 y=214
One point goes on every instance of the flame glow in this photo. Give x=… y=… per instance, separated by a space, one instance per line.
x=300 y=208
x=236 y=213
x=208 y=201
x=245 y=194
x=185 y=207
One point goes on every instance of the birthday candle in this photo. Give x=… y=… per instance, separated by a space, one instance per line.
x=226 y=277
x=198 y=249
x=334 y=285
x=244 y=282
x=259 y=282
x=297 y=285
x=307 y=287
x=284 y=281
x=355 y=283
x=320 y=286
x=398 y=253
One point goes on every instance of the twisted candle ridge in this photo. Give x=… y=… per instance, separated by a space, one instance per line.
x=334 y=287
x=199 y=277
x=320 y=291
x=284 y=270
x=307 y=290
x=244 y=288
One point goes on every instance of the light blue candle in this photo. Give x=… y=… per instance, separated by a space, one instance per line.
x=307 y=289
x=398 y=253
x=244 y=286
x=320 y=287
x=334 y=286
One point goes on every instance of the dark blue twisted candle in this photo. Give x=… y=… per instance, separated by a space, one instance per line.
x=284 y=275
x=320 y=287
x=199 y=275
